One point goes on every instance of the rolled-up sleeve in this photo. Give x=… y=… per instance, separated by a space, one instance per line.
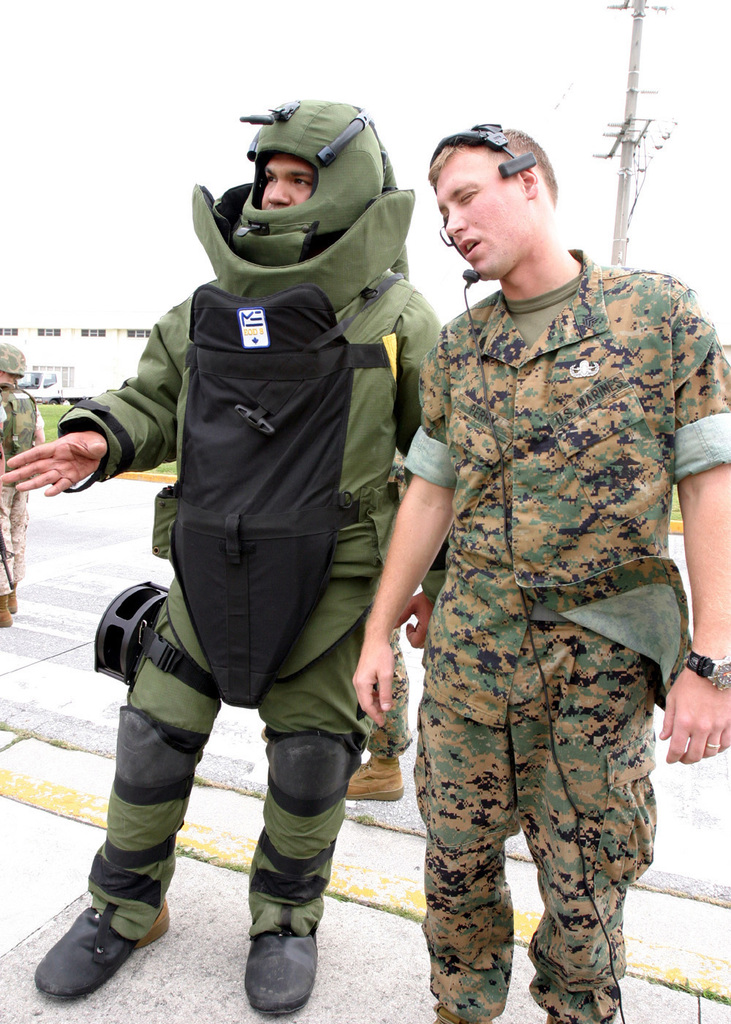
x=702 y=445
x=429 y=459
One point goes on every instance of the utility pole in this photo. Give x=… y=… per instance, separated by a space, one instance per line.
x=629 y=134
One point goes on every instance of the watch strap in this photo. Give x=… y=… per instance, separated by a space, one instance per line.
x=700 y=664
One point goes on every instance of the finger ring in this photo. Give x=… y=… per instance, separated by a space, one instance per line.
x=713 y=746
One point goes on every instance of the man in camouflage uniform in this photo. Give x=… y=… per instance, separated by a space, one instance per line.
x=19 y=429
x=557 y=415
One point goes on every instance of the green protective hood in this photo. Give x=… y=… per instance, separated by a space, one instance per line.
x=372 y=246
x=341 y=192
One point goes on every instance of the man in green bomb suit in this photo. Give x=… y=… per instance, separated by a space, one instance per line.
x=283 y=389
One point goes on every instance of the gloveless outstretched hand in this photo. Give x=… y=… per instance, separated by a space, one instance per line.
x=57 y=465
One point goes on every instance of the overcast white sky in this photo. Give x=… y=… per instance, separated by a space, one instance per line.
x=111 y=113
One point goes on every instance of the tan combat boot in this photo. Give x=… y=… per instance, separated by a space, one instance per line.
x=13 y=601
x=377 y=779
x=6 y=619
x=445 y=1017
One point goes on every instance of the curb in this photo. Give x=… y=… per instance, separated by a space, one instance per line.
x=663 y=964
x=155 y=478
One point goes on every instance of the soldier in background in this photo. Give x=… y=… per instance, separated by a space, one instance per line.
x=20 y=431
x=556 y=416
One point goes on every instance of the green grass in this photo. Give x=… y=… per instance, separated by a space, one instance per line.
x=51 y=415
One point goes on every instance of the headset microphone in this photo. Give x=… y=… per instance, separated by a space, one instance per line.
x=471 y=277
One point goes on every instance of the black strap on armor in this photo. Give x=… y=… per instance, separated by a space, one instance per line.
x=170 y=659
x=111 y=423
x=139 y=858
x=289 y=888
x=306 y=807
x=372 y=295
x=123 y=884
x=293 y=865
x=146 y=796
x=102 y=932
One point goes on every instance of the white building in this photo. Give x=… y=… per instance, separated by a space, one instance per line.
x=91 y=358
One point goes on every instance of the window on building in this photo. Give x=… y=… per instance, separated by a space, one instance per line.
x=138 y=334
x=11 y=332
x=49 y=332
x=87 y=332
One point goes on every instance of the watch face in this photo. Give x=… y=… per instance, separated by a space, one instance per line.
x=721 y=677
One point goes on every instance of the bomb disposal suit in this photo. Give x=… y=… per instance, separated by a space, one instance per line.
x=283 y=414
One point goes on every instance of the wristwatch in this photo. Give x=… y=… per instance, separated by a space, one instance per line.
x=717 y=672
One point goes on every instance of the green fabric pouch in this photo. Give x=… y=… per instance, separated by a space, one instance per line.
x=166 y=507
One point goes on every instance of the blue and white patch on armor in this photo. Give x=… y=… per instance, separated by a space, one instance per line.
x=253 y=327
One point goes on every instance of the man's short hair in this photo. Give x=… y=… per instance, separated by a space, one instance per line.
x=518 y=143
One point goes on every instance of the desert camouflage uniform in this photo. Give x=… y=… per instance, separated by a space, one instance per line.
x=18 y=431
x=615 y=401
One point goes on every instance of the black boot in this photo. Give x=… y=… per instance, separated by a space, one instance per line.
x=280 y=971
x=90 y=953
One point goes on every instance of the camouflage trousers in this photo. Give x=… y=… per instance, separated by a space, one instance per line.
x=14 y=525
x=479 y=784
x=313 y=720
x=394 y=738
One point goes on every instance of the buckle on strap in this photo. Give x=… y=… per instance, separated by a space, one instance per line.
x=170 y=659
x=160 y=651
x=255 y=418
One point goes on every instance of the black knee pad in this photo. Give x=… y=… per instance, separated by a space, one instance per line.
x=155 y=762
x=309 y=771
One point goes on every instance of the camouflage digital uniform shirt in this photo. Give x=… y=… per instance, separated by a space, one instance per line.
x=625 y=393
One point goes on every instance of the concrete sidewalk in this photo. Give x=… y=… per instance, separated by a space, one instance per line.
x=374 y=965
x=57 y=729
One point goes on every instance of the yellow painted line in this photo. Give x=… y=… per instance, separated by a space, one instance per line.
x=667 y=965
x=67 y=803
x=362 y=885
x=686 y=968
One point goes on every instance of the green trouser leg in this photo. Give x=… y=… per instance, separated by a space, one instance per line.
x=163 y=730
x=315 y=739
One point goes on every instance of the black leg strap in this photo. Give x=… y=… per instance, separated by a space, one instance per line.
x=167 y=658
x=139 y=858
x=102 y=933
x=292 y=865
